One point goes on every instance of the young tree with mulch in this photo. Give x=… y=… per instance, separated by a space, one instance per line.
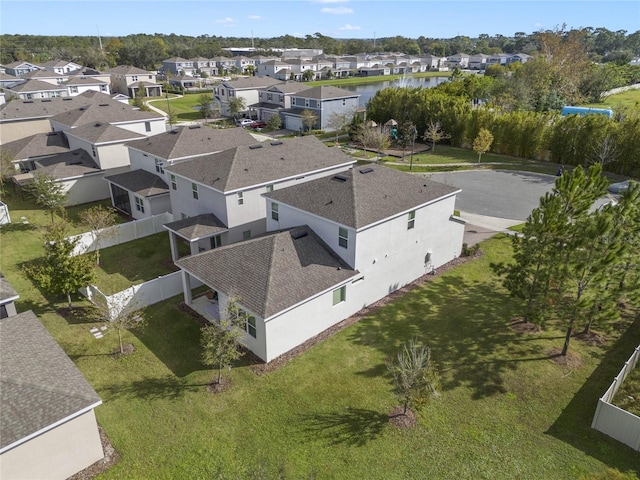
x=60 y=272
x=120 y=316
x=415 y=376
x=221 y=343
x=47 y=193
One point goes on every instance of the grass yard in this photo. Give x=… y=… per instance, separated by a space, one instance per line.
x=628 y=99
x=181 y=107
x=506 y=410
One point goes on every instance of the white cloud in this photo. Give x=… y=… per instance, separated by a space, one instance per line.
x=337 y=10
x=227 y=22
x=254 y=17
x=349 y=27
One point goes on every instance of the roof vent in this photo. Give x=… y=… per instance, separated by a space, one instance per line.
x=366 y=170
x=173 y=132
x=277 y=142
x=193 y=127
x=75 y=153
x=28 y=101
x=46 y=100
x=82 y=109
x=51 y=134
x=98 y=124
x=67 y=99
x=340 y=178
x=253 y=147
x=103 y=104
x=75 y=163
x=299 y=234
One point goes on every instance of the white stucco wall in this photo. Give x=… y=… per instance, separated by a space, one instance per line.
x=88 y=188
x=56 y=454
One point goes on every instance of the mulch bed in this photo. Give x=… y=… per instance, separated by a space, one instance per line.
x=224 y=385
x=518 y=324
x=570 y=360
x=402 y=420
x=127 y=349
x=111 y=457
x=591 y=338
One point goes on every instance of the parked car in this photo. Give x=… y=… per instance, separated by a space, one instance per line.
x=244 y=122
x=258 y=125
x=226 y=79
x=620 y=187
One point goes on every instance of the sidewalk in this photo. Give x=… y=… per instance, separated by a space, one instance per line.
x=482 y=227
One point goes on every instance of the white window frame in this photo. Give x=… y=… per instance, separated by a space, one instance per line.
x=339 y=295
x=139 y=202
x=343 y=237
x=174 y=183
x=275 y=215
x=411 y=222
x=240 y=198
x=194 y=191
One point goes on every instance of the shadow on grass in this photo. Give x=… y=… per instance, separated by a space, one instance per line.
x=171 y=388
x=466 y=325
x=172 y=337
x=354 y=426
x=573 y=426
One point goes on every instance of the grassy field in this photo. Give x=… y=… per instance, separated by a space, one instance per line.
x=506 y=409
x=628 y=99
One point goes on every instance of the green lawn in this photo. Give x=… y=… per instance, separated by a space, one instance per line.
x=630 y=98
x=506 y=410
x=182 y=107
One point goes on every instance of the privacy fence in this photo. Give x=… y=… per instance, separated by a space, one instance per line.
x=614 y=421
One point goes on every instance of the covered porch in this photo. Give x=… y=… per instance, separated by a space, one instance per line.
x=202 y=232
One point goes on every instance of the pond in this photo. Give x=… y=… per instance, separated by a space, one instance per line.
x=367 y=91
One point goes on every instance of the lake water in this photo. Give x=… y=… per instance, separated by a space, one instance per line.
x=367 y=91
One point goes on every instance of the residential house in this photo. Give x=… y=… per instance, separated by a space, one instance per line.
x=333 y=246
x=277 y=98
x=299 y=68
x=48 y=427
x=111 y=112
x=25 y=151
x=242 y=63
x=143 y=190
x=19 y=68
x=8 y=296
x=225 y=65
x=501 y=59
x=20 y=119
x=46 y=76
x=459 y=60
x=227 y=185
x=433 y=63
x=35 y=89
x=339 y=67
x=128 y=80
x=61 y=66
x=275 y=68
x=374 y=71
x=179 y=66
x=246 y=88
x=518 y=57
x=478 y=61
x=78 y=84
x=7 y=81
x=323 y=101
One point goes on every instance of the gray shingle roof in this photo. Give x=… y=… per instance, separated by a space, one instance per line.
x=36 y=86
x=68 y=165
x=140 y=182
x=38 y=145
x=188 y=142
x=128 y=70
x=362 y=195
x=200 y=226
x=40 y=385
x=49 y=107
x=244 y=166
x=109 y=111
x=273 y=272
x=100 y=132
x=248 y=83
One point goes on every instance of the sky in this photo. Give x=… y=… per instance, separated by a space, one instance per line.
x=333 y=18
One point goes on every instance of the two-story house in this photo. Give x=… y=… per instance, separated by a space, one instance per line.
x=279 y=69
x=333 y=246
x=459 y=60
x=478 y=61
x=19 y=68
x=61 y=66
x=179 y=66
x=224 y=190
x=323 y=101
x=245 y=88
x=143 y=191
x=127 y=80
x=36 y=89
x=275 y=99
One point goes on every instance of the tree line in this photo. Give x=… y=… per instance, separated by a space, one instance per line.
x=147 y=51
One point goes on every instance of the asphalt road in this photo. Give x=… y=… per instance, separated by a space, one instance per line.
x=503 y=194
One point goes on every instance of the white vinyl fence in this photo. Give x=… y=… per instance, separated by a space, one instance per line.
x=614 y=421
x=139 y=296
x=122 y=233
x=4 y=214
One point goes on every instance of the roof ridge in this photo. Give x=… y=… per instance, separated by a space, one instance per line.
x=47 y=388
x=271 y=278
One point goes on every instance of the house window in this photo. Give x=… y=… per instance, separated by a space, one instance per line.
x=139 y=204
x=343 y=237
x=250 y=324
x=73 y=89
x=344 y=102
x=274 y=211
x=269 y=188
x=194 y=190
x=103 y=88
x=174 y=185
x=159 y=168
x=216 y=241
x=246 y=235
x=93 y=150
x=147 y=126
x=412 y=220
x=306 y=102
x=240 y=198
x=134 y=78
x=339 y=295
x=183 y=216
